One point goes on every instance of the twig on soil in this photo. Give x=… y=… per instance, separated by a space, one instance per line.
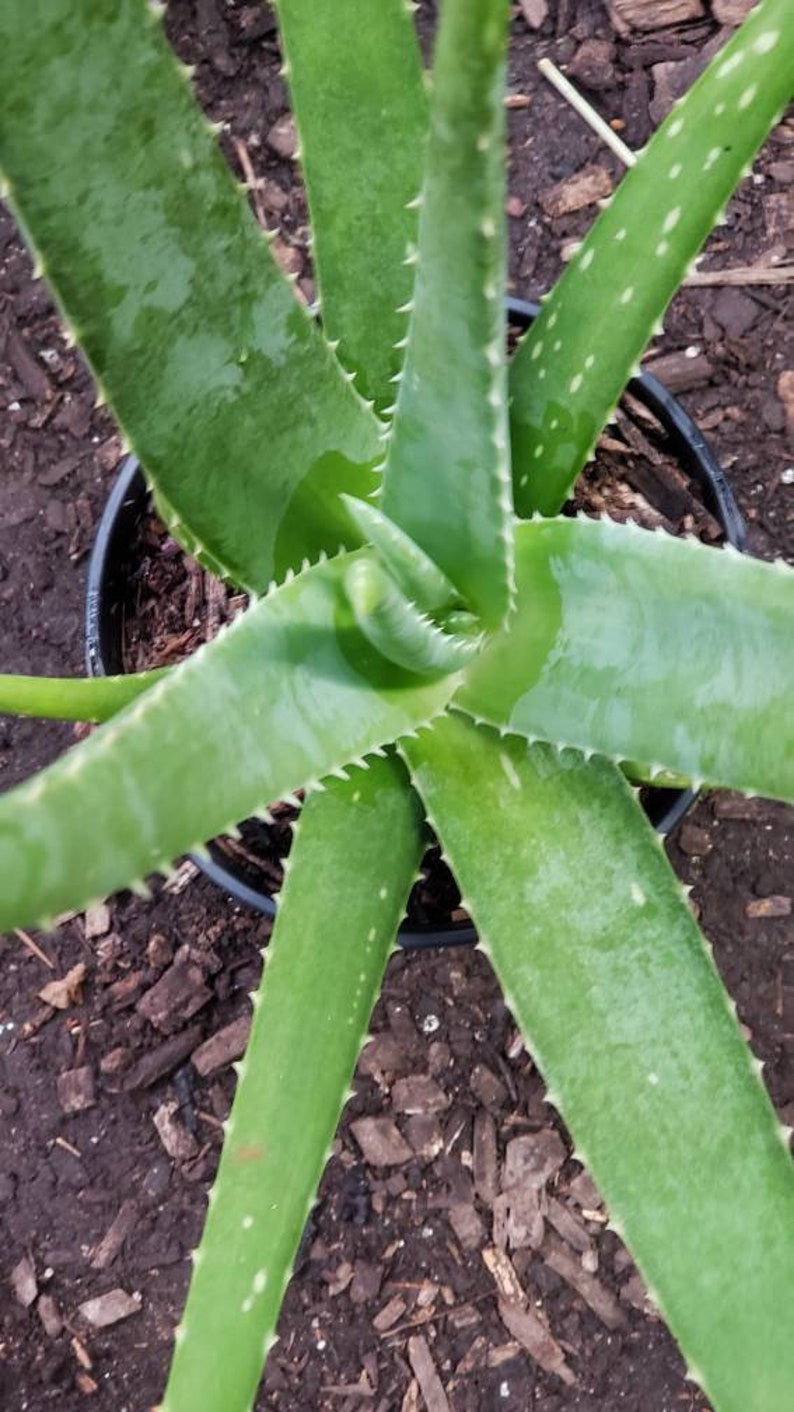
x=743 y=274
x=426 y=1374
x=67 y=1147
x=252 y=182
x=430 y=1316
x=593 y=119
x=34 y=947
x=738 y=275
x=347 y=1390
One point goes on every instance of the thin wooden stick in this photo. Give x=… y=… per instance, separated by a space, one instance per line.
x=737 y=275
x=581 y=106
x=34 y=947
x=744 y=274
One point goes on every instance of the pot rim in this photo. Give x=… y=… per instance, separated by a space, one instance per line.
x=122 y=511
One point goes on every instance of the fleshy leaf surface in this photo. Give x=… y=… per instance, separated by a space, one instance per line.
x=73 y=698
x=226 y=388
x=447 y=479
x=353 y=860
x=288 y=693
x=398 y=630
x=582 y=349
x=358 y=93
x=646 y=648
x=624 y=1012
x=413 y=571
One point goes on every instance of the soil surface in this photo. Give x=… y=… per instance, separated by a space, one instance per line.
x=112 y=1110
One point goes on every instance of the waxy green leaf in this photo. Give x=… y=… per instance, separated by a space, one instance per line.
x=73 y=698
x=413 y=571
x=238 y=410
x=649 y=649
x=623 y=1010
x=399 y=631
x=358 y=93
x=447 y=479
x=582 y=349
x=288 y=693
x=353 y=860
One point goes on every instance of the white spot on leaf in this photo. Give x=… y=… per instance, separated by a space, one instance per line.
x=511 y=773
x=730 y=64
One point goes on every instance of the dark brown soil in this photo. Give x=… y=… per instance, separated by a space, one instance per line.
x=392 y=1254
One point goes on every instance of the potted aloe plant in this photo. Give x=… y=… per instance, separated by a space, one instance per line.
x=427 y=638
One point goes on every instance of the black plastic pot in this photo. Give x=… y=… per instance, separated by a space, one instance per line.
x=128 y=502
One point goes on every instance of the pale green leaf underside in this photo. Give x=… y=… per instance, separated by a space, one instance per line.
x=289 y=692
x=580 y=352
x=336 y=922
x=358 y=94
x=72 y=698
x=235 y=405
x=623 y=1010
x=647 y=648
x=447 y=478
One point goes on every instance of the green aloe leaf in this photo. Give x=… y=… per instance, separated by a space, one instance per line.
x=623 y=1010
x=399 y=631
x=72 y=698
x=447 y=479
x=227 y=390
x=648 y=649
x=353 y=861
x=580 y=352
x=358 y=93
x=291 y=691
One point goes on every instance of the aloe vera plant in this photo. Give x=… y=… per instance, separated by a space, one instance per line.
x=413 y=649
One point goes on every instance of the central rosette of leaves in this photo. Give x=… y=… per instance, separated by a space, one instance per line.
x=404 y=603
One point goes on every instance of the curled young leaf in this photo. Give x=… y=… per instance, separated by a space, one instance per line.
x=399 y=631
x=418 y=576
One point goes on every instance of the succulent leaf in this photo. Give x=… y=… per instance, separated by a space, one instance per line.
x=359 y=98
x=336 y=923
x=624 y=1012
x=399 y=631
x=649 y=649
x=415 y=573
x=72 y=698
x=447 y=480
x=230 y=395
x=289 y=692
x=582 y=349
